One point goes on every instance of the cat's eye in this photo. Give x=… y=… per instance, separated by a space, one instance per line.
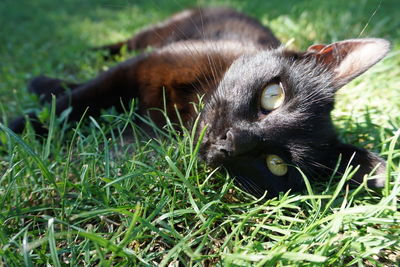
x=272 y=96
x=276 y=165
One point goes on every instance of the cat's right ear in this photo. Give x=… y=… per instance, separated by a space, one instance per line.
x=350 y=58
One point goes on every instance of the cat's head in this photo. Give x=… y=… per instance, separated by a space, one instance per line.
x=271 y=114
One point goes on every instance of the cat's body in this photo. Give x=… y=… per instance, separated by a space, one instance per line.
x=231 y=59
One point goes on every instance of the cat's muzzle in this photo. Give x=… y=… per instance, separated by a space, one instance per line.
x=227 y=147
x=215 y=151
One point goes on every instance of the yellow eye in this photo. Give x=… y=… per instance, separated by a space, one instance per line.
x=276 y=165
x=272 y=97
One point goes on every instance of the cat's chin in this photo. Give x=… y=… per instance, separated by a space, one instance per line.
x=214 y=158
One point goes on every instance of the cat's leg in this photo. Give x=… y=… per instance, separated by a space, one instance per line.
x=45 y=87
x=367 y=163
x=170 y=79
x=108 y=89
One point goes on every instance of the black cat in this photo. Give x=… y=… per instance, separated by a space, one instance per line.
x=267 y=110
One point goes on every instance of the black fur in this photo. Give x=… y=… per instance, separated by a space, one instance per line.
x=300 y=131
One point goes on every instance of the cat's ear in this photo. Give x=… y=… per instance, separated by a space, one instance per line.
x=367 y=161
x=350 y=58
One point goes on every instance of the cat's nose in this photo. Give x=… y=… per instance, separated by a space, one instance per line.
x=225 y=143
x=219 y=149
x=238 y=142
x=234 y=143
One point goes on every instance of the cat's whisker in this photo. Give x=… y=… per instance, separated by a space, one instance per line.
x=320 y=166
x=250 y=186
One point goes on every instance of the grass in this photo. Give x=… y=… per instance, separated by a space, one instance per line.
x=88 y=196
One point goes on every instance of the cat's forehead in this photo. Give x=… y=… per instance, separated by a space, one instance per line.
x=256 y=67
x=253 y=71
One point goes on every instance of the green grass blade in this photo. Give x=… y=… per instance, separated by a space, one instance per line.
x=46 y=173
x=52 y=244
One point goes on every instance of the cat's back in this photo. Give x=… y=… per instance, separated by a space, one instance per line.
x=220 y=23
x=209 y=23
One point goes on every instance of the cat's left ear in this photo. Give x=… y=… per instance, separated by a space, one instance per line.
x=350 y=58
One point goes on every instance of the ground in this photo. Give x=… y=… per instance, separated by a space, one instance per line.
x=88 y=197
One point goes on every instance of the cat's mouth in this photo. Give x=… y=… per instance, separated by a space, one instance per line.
x=216 y=155
x=219 y=153
x=231 y=146
x=220 y=156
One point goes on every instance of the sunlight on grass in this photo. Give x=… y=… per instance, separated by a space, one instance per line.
x=89 y=195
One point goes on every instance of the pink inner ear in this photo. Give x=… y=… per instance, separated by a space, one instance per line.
x=324 y=53
x=348 y=59
x=316 y=48
x=327 y=55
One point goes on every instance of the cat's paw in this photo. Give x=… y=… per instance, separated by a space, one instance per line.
x=45 y=87
x=18 y=125
x=369 y=165
x=42 y=84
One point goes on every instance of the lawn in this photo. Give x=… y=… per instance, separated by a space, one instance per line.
x=87 y=195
